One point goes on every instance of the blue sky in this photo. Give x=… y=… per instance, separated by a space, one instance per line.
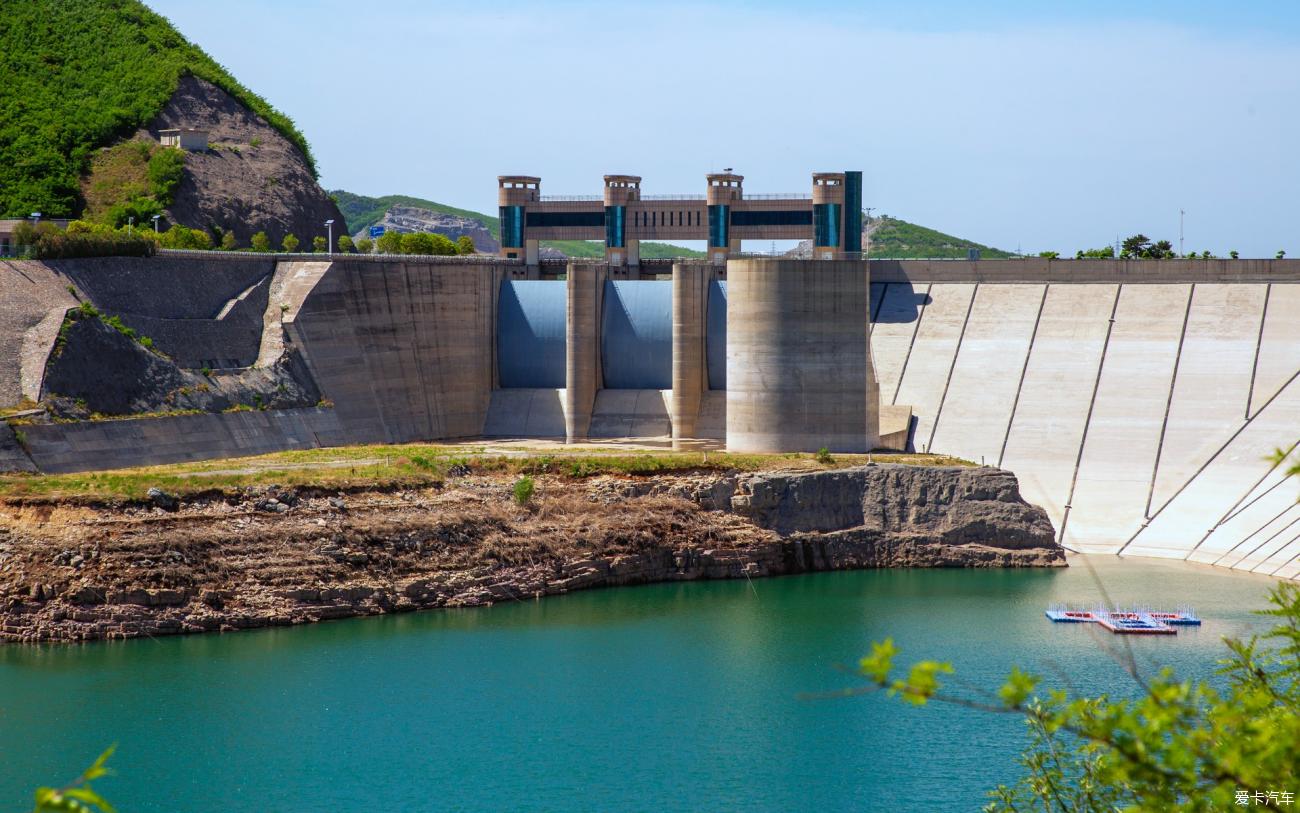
x=1014 y=123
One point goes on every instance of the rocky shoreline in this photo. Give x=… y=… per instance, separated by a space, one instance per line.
x=278 y=557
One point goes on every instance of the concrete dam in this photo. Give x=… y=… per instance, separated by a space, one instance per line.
x=1137 y=401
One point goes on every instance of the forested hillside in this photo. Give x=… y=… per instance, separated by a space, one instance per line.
x=76 y=75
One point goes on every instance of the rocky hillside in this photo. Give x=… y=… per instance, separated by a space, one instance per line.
x=251 y=178
x=408 y=219
x=79 y=76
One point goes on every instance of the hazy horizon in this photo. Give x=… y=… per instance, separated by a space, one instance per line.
x=1011 y=126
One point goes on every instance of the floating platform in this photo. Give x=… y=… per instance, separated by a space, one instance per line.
x=1128 y=622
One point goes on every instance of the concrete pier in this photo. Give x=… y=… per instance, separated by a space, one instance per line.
x=690 y=288
x=797 y=348
x=582 y=353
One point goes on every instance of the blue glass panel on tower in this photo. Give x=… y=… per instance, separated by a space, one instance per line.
x=615 y=227
x=719 y=225
x=512 y=226
x=826 y=225
x=853 y=211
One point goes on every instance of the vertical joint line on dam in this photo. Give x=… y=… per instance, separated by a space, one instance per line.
x=947 y=382
x=1092 y=403
x=1169 y=402
x=1259 y=343
x=902 y=373
x=1024 y=370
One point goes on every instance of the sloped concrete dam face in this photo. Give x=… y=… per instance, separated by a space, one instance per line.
x=1140 y=415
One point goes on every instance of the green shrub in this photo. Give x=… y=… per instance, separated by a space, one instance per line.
x=465 y=245
x=229 y=242
x=181 y=237
x=823 y=456
x=319 y=244
x=290 y=243
x=166 y=169
x=365 y=245
x=345 y=244
x=390 y=242
x=523 y=490
x=260 y=242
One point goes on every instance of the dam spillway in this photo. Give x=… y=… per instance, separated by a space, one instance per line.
x=1137 y=402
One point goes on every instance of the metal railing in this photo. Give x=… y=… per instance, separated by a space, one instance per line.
x=674 y=197
x=560 y=198
x=779 y=196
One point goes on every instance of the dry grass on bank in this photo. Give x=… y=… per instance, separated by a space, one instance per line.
x=416 y=465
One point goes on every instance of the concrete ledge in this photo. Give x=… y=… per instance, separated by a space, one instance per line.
x=1035 y=269
x=57 y=448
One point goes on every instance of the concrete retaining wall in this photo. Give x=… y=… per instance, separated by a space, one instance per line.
x=151 y=441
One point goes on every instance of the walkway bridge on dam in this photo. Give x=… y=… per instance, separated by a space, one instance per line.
x=1138 y=402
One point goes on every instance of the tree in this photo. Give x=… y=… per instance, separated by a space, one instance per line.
x=260 y=242
x=1104 y=253
x=1049 y=255
x=417 y=243
x=1233 y=254
x=1178 y=746
x=229 y=242
x=345 y=244
x=390 y=242
x=290 y=243
x=1134 y=246
x=442 y=245
x=1280 y=254
x=319 y=244
x=465 y=245
x=365 y=246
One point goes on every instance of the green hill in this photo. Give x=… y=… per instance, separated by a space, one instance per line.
x=80 y=74
x=894 y=239
x=362 y=212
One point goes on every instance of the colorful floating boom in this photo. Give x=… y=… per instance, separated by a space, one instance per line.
x=1128 y=622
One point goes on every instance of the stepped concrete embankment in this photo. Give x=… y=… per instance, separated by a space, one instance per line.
x=218 y=562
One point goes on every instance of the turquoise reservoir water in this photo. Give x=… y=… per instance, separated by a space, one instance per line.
x=659 y=698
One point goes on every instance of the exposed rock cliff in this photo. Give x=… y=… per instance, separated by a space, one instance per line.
x=251 y=178
x=276 y=557
x=408 y=219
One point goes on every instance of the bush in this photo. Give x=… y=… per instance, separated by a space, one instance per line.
x=465 y=245
x=57 y=245
x=319 y=244
x=365 y=245
x=260 y=242
x=229 y=242
x=290 y=243
x=166 y=169
x=523 y=490
x=345 y=244
x=180 y=237
x=823 y=456
x=390 y=242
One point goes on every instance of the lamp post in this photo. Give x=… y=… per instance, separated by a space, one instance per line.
x=329 y=241
x=155 y=219
x=130 y=226
x=36 y=216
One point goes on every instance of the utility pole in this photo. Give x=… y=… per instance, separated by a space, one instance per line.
x=1180 y=233
x=329 y=241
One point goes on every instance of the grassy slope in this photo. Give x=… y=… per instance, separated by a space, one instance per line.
x=78 y=74
x=415 y=464
x=363 y=212
x=899 y=240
